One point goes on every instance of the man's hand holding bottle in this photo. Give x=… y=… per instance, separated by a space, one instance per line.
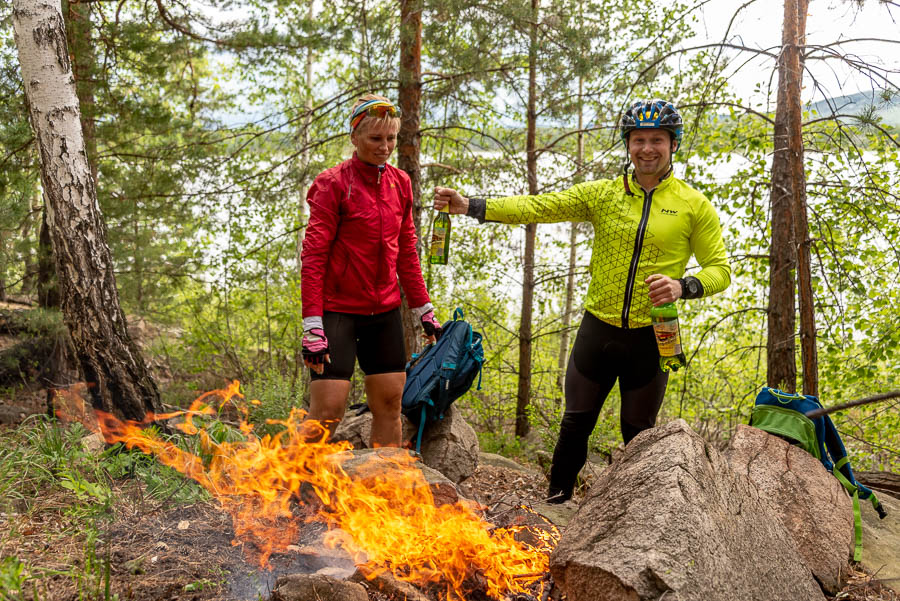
x=459 y=204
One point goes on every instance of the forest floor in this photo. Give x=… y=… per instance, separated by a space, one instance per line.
x=88 y=524
x=127 y=540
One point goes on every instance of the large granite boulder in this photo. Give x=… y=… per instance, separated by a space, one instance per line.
x=671 y=520
x=808 y=500
x=449 y=445
x=356 y=428
x=881 y=540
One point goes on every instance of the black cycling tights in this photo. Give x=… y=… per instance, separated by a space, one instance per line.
x=602 y=354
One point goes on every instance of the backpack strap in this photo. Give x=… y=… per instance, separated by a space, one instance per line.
x=421 y=429
x=857 y=518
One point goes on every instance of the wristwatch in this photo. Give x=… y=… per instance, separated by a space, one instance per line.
x=691 y=287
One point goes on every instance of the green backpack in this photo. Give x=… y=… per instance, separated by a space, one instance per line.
x=784 y=415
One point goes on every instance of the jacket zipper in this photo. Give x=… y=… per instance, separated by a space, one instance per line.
x=636 y=256
x=381 y=237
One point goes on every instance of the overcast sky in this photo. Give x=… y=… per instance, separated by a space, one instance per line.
x=759 y=26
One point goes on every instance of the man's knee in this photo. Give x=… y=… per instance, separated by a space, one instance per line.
x=577 y=423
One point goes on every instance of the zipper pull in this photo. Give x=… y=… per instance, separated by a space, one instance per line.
x=380 y=171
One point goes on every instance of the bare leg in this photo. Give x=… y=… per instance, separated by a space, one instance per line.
x=328 y=401
x=383 y=393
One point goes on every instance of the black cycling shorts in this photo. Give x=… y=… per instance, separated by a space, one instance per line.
x=604 y=353
x=375 y=340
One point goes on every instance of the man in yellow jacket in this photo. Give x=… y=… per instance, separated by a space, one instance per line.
x=647 y=225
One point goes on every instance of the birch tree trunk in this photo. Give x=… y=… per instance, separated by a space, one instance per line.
x=117 y=377
x=408 y=138
x=525 y=323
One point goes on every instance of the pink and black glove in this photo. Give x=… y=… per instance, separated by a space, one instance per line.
x=431 y=326
x=315 y=349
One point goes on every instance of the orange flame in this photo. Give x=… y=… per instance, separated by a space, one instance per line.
x=386 y=519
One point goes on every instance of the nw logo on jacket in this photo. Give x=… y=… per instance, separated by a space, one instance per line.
x=668 y=212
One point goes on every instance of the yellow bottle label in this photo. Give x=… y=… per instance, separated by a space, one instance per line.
x=438 y=236
x=667 y=337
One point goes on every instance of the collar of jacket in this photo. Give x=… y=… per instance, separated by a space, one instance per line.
x=367 y=170
x=632 y=187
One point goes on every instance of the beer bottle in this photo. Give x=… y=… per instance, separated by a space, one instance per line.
x=668 y=338
x=439 y=250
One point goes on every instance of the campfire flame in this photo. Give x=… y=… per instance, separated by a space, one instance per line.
x=387 y=521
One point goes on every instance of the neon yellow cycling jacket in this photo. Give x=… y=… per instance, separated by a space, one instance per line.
x=636 y=234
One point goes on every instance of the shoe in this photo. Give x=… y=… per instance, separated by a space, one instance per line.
x=556 y=496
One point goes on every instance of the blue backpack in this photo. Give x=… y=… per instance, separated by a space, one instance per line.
x=784 y=415
x=442 y=373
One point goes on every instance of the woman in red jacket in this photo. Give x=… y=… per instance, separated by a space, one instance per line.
x=360 y=240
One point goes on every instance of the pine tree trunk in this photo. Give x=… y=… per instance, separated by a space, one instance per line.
x=801 y=223
x=117 y=377
x=525 y=324
x=47 y=282
x=409 y=139
x=781 y=366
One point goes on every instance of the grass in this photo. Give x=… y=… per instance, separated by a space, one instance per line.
x=58 y=494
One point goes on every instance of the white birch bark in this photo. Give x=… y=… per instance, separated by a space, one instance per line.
x=118 y=379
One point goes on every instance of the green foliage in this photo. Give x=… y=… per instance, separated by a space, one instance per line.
x=92 y=581
x=271 y=396
x=12 y=579
x=41 y=457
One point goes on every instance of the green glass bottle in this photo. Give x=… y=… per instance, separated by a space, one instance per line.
x=439 y=250
x=668 y=338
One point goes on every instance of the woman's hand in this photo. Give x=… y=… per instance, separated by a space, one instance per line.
x=432 y=327
x=459 y=204
x=315 y=350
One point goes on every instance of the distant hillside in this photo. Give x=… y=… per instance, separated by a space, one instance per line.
x=889 y=111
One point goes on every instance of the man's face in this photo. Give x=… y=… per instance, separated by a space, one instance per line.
x=650 y=150
x=375 y=141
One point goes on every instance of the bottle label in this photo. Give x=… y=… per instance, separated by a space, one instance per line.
x=667 y=337
x=438 y=236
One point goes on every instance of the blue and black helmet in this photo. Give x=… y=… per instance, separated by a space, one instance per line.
x=651 y=114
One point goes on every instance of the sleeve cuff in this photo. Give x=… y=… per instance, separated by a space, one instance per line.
x=477 y=209
x=313 y=321
x=418 y=311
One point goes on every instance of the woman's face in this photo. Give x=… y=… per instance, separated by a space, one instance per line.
x=375 y=140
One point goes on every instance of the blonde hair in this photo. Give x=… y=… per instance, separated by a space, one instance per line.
x=381 y=121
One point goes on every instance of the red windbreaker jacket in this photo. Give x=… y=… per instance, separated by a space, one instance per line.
x=359 y=239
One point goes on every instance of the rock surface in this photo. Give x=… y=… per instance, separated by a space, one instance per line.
x=881 y=540
x=671 y=520
x=810 y=502
x=309 y=587
x=450 y=445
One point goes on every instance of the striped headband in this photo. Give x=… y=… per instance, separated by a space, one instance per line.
x=371 y=108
